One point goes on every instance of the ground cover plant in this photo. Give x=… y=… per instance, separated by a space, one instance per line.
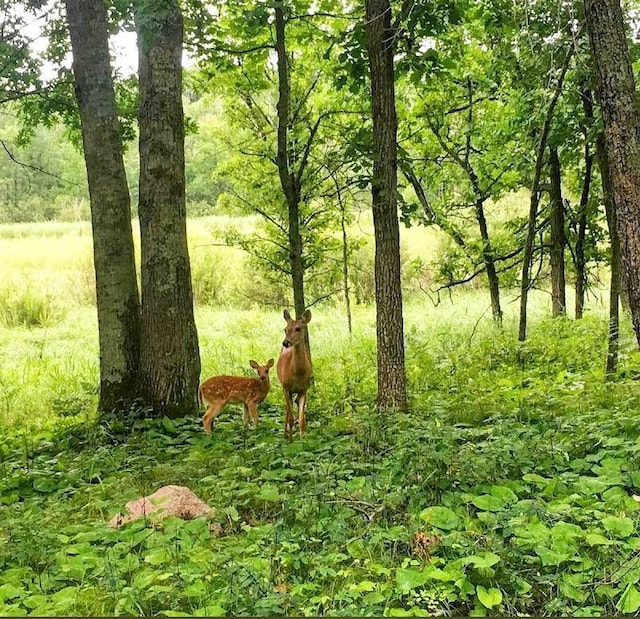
x=509 y=487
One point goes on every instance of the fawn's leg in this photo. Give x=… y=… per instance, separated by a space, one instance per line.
x=253 y=409
x=245 y=417
x=302 y=418
x=212 y=412
x=288 y=421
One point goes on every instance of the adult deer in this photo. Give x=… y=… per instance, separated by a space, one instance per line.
x=294 y=369
x=218 y=391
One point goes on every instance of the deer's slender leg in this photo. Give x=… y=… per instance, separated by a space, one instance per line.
x=302 y=417
x=245 y=416
x=253 y=409
x=288 y=422
x=212 y=412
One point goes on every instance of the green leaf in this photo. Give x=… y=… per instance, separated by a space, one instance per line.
x=620 y=527
x=169 y=426
x=269 y=494
x=440 y=517
x=629 y=602
x=505 y=494
x=9 y=591
x=595 y=539
x=44 y=484
x=488 y=503
x=158 y=557
x=551 y=557
x=489 y=597
x=487 y=560
x=407 y=579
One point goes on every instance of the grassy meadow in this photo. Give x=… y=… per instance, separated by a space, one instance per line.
x=511 y=486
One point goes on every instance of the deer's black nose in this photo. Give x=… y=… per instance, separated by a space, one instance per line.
x=286 y=343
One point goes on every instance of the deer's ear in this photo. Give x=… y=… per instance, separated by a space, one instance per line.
x=287 y=315
x=270 y=363
x=306 y=316
x=254 y=364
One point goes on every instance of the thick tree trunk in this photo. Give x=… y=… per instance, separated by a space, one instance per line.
x=113 y=255
x=170 y=359
x=525 y=284
x=617 y=94
x=558 y=238
x=614 y=287
x=583 y=209
x=390 y=332
x=290 y=185
x=489 y=261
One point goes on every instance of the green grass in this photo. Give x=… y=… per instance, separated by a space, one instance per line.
x=510 y=487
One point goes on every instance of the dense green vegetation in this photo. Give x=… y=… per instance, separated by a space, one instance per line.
x=508 y=488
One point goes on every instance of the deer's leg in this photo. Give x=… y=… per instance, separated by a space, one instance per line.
x=302 y=418
x=212 y=412
x=245 y=417
x=288 y=421
x=253 y=409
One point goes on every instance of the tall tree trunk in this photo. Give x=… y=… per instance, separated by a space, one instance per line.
x=617 y=95
x=290 y=185
x=583 y=208
x=113 y=255
x=170 y=358
x=558 y=238
x=379 y=34
x=535 y=197
x=489 y=261
x=345 y=256
x=614 y=287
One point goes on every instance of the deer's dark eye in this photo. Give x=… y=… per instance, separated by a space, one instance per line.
x=297 y=328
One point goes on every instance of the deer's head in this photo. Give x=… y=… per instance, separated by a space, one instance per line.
x=295 y=330
x=263 y=370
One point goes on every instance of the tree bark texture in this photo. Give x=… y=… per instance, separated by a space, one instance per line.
x=583 y=208
x=113 y=254
x=617 y=95
x=614 y=288
x=489 y=261
x=290 y=184
x=525 y=283
x=558 y=238
x=390 y=332
x=170 y=359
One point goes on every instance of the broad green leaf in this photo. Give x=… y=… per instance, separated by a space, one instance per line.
x=169 y=425
x=550 y=557
x=158 y=557
x=486 y=560
x=571 y=585
x=620 y=527
x=269 y=494
x=595 y=539
x=440 y=517
x=488 y=503
x=44 y=484
x=9 y=591
x=489 y=597
x=506 y=494
x=408 y=579
x=629 y=602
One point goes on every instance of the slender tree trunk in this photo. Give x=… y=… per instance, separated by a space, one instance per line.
x=113 y=255
x=170 y=358
x=535 y=198
x=345 y=258
x=489 y=261
x=390 y=332
x=614 y=287
x=617 y=95
x=290 y=185
x=558 y=238
x=583 y=209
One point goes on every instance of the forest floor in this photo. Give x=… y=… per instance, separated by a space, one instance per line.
x=511 y=486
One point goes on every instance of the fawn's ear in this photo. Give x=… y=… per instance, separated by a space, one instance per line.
x=270 y=363
x=254 y=364
x=306 y=316
x=287 y=315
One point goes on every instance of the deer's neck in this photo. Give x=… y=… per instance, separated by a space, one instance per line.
x=300 y=354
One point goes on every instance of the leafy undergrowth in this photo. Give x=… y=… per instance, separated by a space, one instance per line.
x=510 y=488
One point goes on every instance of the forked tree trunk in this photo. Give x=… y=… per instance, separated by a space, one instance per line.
x=290 y=185
x=379 y=34
x=614 y=287
x=525 y=284
x=113 y=255
x=617 y=95
x=170 y=359
x=558 y=239
x=583 y=208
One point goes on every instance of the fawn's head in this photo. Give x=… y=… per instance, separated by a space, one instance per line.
x=263 y=370
x=295 y=329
